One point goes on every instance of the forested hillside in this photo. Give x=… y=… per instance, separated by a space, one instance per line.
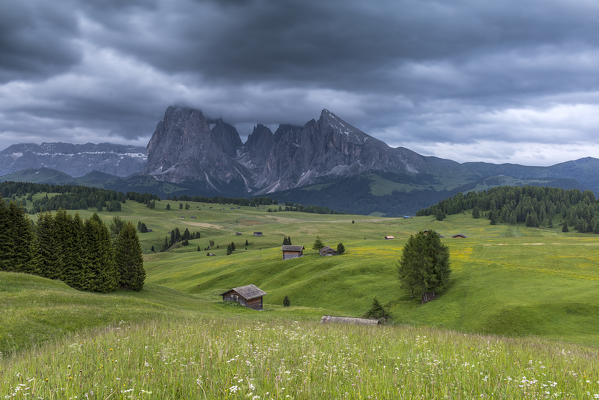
x=533 y=206
x=67 y=197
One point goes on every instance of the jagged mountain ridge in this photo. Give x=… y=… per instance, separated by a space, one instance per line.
x=324 y=162
x=188 y=146
x=73 y=159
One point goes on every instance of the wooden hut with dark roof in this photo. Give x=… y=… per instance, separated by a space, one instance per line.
x=290 y=251
x=248 y=296
x=327 y=251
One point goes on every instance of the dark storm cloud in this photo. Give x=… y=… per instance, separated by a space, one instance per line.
x=442 y=77
x=36 y=39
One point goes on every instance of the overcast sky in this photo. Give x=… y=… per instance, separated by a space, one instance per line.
x=501 y=81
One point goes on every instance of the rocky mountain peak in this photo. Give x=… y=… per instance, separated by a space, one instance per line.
x=187 y=145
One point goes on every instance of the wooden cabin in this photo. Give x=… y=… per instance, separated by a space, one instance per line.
x=389 y=237
x=290 y=251
x=327 y=319
x=258 y=234
x=248 y=296
x=327 y=251
x=459 y=236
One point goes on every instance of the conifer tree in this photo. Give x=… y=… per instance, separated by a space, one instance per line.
x=74 y=254
x=6 y=248
x=46 y=259
x=129 y=259
x=317 y=244
x=377 y=311
x=103 y=275
x=116 y=225
x=340 y=248
x=424 y=266
x=21 y=238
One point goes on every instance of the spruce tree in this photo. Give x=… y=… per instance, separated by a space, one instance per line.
x=103 y=275
x=317 y=244
x=21 y=238
x=129 y=259
x=46 y=258
x=115 y=226
x=6 y=248
x=286 y=302
x=74 y=261
x=61 y=236
x=424 y=266
x=340 y=248
x=377 y=311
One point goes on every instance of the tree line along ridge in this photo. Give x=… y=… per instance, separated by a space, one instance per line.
x=531 y=205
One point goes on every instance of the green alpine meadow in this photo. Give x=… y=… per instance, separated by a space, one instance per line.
x=513 y=315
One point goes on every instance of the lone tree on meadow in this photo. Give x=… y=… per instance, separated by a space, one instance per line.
x=317 y=244
x=424 y=266
x=340 y=248
x=377 y=311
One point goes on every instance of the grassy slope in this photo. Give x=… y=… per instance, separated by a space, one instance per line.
x=506 y=280
x=237 y=359
x=36 y=310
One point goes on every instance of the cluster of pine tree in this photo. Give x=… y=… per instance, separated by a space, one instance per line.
x=80 y=253
x=251 y=202
x=176 y=237
x=70 y=197
x=530 y=205
x=302 y=208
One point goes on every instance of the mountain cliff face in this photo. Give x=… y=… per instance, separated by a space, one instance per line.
x=325 y=162
x=73 y=159
x=190 y=147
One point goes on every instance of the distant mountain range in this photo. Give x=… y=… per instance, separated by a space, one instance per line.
x=325 y=162
x=74 y=159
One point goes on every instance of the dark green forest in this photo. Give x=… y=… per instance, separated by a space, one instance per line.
x=530 y=205
x=69 y=197
x=80 y=253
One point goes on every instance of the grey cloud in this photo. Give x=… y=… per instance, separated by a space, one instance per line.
x=417 y=73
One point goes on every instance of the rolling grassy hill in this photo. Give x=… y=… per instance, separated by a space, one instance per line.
x=508 y=280
x=177 y=339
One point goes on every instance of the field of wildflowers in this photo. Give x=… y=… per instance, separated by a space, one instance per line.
x=176 y=340
x=240 y=359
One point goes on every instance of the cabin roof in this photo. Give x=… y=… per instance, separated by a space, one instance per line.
x=288 y=247
x=327 y=250
x=248 y=292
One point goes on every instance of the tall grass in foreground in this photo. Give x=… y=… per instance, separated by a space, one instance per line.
x=236 y=359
